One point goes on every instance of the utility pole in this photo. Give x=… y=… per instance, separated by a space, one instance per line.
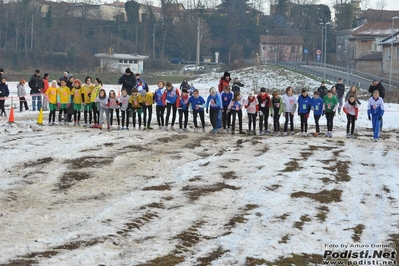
x=31 y=36
x=198 y=44
x=153 y=43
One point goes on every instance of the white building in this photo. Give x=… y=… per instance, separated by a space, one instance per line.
x=119 y=62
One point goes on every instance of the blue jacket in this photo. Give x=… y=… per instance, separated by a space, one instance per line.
x=226 y=98
x=376 y=107
x=4 y=92
x=213 y=101
x=236 y=106
x=196 y=101
x=304 y=104
x=158 y=96
x=317 y=106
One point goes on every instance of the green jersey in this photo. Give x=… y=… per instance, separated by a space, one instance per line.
x=329 y=104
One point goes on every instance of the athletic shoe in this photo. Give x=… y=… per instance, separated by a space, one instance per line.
x=348 y=135
x=172 y=128
x=228 y=131
x=180 y=130
x=243 y=132
x=159 y=127
x=316 y=134
x=214 y=131
x=50 y=124
x=127 y=128
x=330 y=135
x=267 y=132
x=185 y=130
x=305 y=134
x=203 y=130
x=292 y=132
x=144 y=128
x=74 y=124
x=139 y=128
x=352 y=136
x=119 y=127
x=149 y=128
x=78 y=123
x=285 y=134
x=375 y=140
x=260 y=133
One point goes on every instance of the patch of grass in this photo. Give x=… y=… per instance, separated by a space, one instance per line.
x=292 y=166
x=326 y=148
x=108 y=144
x=326 y=180
x=303 y=219
x=240 y=218
x=214 y=255
x=229 y=175
x=165 y=186
x=343 y=171
x=190 y=237
x=394 y=238
x=273 y=187
x=89 y=162
x=283 y=217
x=322 y=214
x=357 y=232
x=205 y=164
x=324 y=196
x=70 y=179
x=171 y=139
x=135 y=148
x=262 y=151
x=284 y=239
x=45 y=160
x=306 y=155
x=386 y=189
x=137 y=223
x=195 y=193
x=252 y=261
x=220 y=152
x=196 y=178
x=167 y=260
x=158 y=205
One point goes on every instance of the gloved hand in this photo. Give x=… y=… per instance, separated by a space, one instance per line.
x=271 y=115
x=307 y=115
x=207 y=111
x=260 y=113
x=370 y=118
x=379 y=118
x=324 y=112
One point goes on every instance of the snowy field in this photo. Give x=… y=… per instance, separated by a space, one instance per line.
x=79 y=196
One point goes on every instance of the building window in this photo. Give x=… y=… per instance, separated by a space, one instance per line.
x=397 y=52
x=120 y=61
x=125 y=61
x=292 y=49
x=387 y=53
x=264 y=48
x=271 y=50
x=130 y=61
x=134 y=61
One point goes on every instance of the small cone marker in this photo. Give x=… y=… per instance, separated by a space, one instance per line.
x=11 y=118
x=40 y=117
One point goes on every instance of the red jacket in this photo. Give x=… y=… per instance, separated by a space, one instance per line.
x=223 y=83
x=45 y=85
x=264 y=98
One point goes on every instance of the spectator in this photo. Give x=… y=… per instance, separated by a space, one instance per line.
x=36 y=85
x=128 y=81
x=45 y=87
x=236 y=85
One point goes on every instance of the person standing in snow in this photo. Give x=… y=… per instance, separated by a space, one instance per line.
x=124 y=104
x=304 y=107
x=264 y=106
x=224 y=81
x=375 y=111
x=213 y=103
x=276 y=109
x=330 y=105
x=237 y=85
x=63 y=101
x=322 y=90
x=351 y=110
x=160 y=107
x=36 y=85
x=169 y=99
x=51 y=95
x=4 y=93
x=135 y=104
x=376 y=85
x=21 y=95
x=197 y=104
x=340 y=93
x=226 y=97
x=128 y=81
x=98 y=84
x=45 y=87
x=317 y=107
x=235 y=108
x=148 y=101
x=114 y=106
x=252 y=106
x=103 y=104
x=182 y=106
x=289 y=107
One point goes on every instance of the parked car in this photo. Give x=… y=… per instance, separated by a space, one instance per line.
x=176 y=60
x=192 y=68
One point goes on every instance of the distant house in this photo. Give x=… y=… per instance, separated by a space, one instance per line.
x=281 y=48
x=388 y=54
x=119 y=62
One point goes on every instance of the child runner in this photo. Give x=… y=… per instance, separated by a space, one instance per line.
x=351 y=110
x=103 y=104
x=87 y=89
x=235 y=108
x=21 y=95
x=264 y=106
x=276 y=110
x=226 y=97
x=182 y=106
x=51 y=95
x=304 y=107
x=213 y=102
x=252 y=107
x=197 y=104
x=317 y=107
x=64 y=101
x=135 y=105
x=330 y=105
x=98 y=84
x=169 y=99
x=289 y=107
x=124 y=104
x=77 y=101
x=352 y=91
x=160 y=107
x=114 y=106
x=375 y=111
x=148 y=101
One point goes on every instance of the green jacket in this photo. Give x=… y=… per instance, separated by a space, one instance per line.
x=278 y=105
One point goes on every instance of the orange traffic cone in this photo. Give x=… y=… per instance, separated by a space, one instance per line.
x=11 y=117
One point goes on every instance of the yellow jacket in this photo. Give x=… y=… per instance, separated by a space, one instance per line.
x=52 y=95
x=77 y=95
x=94 y=93
x=148 y=98
x=86 y=90
x=63 y=95
x=136 y=101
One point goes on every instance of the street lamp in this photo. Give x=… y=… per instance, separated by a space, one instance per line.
x=324 y=54
x=267 y=42
x=322 y=47
x=391 y=57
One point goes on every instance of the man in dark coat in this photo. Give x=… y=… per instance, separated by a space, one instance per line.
x=340 y=87
x=322 y=90
x=128 y=81
x=36 y=85
x=377 y=86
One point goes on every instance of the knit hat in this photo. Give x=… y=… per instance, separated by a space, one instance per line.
x=45 y=75
x=226 y=74
x=262 y=89
x=37 y=71
x=128 y=70
x=1 y=69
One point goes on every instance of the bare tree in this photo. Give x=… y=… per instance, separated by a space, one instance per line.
x=381 y=4
x=365 y=4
